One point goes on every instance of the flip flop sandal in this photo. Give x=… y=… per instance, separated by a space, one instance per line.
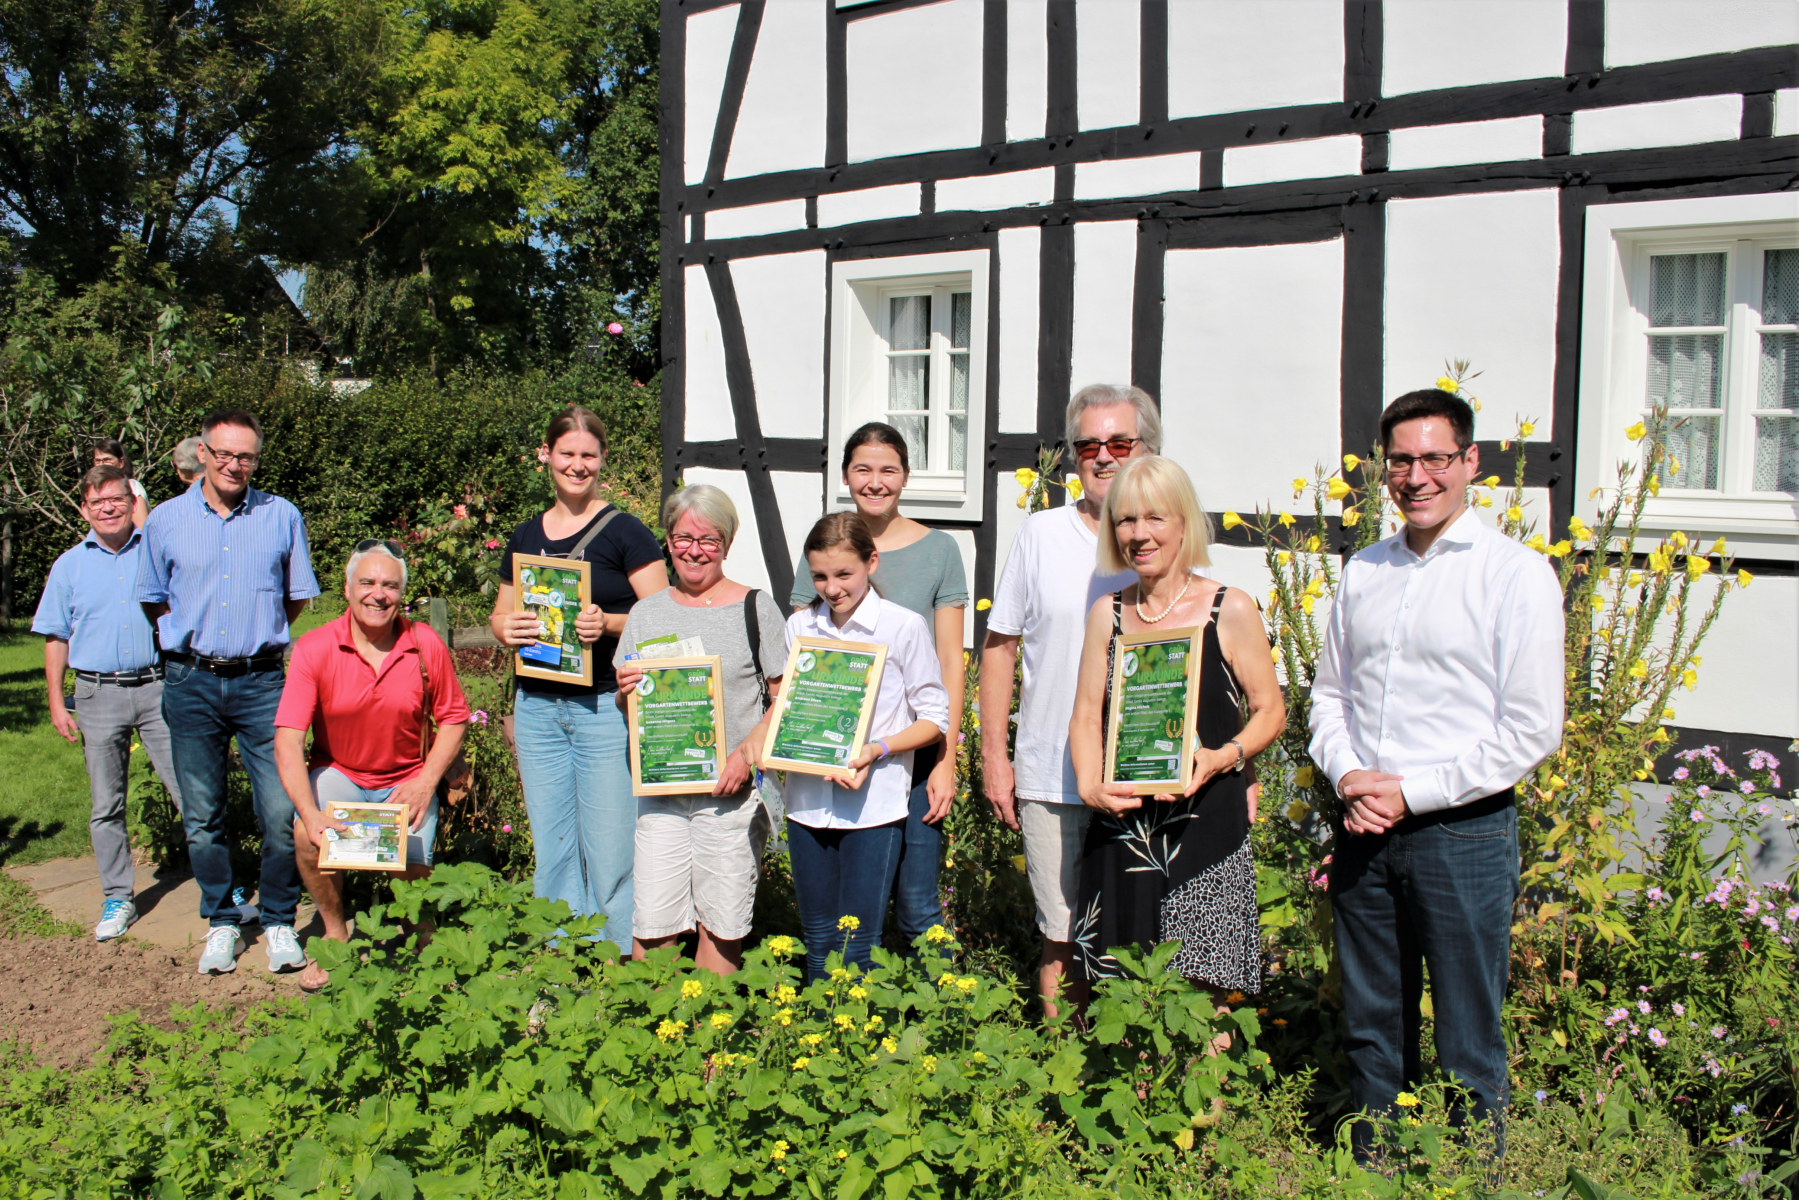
x=315 y=990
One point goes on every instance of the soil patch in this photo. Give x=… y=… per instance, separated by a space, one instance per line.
x=56 y=993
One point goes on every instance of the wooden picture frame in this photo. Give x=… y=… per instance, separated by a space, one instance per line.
x=546 y=576
x=654 y=669
x=1128 y=651
x=783 y=732
x=334 y=854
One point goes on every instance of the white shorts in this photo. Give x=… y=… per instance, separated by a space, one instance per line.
x=1053 y=834
x=697 y=861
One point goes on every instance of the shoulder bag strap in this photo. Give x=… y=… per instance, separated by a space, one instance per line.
x=752 y=632
x=594 y=531
x=426 y=724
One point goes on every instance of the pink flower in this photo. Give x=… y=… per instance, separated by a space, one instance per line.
x=1680 y=773
x=1643 y=1007
x=1698 y=816
x=1745 y=787
x=461 y=511
x=505 y=829
x=1657 y=1038
x=1680 y=1010
x=615 y=329
x=492 y=543
x=1704 y=791
x=478 y=717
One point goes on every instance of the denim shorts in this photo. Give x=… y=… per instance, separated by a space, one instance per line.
x=331 y=786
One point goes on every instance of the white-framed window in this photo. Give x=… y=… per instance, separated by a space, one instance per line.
x=908 y=347
x=1694 y=305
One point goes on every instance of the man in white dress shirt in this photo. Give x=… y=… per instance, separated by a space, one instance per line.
x=1440 y=687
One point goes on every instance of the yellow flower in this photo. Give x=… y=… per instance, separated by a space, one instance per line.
x=1579 y=529
x=723 y=1060
x=1304 y=777
x=1313 y=545
x=982 y=605
x=1298 y=811
x=1697 y=566
x=858 y=993
x=1538 y=543
x=1639 y=669
x=692 y=989
x=785 y=1016
x=1283 y=557
x=843 y=1020
x=1230 y=520
x=947 y=979
x=1598 y=602
x=813 y=1039
x=1274 y=652
x=977 y=1056
x=1689 y=679
x=1744 y=578
x=779 y=1152
x=1299 y=485
x=1594 y=494
x=1026 y=478
x=785 y=994
x=1655 y=485
x=850 y=923
x=890 y=1045
x=1719 y=548
x=781 y=946
x=1661 y=734
x=1636 y=579
x=1637 y=432
x=842 y=1154
x=1073 y=487
x=1660 y=559
x=1491 y=481
x=1406 y=1100
x=1557 y=783
x=1308 y=602
x=1673 y=465
x=1560 y=549
x=801 y=1063
x=668 y=1031
x=1021 y=500
x=840 y=974
x=1485 y=502
x=1446 y=384
x=1315 y=588
x=1679 y=539
x=1526 y=429
x=1514 y=514
x=1018 y=861
x=873 y=1023
x=1286 y=518
x=967 y=984
x=936 y=935
x=1667 y=714
x=929 y=1063
x=1351 y=462
x=1350 y=517
x=1336 y=489
x=720 y=1020
x=1274 y=596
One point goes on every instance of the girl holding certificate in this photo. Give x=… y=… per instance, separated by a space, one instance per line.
x=845 y=832
x=1172 y=867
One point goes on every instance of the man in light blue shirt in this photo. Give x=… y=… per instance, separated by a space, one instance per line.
x=91 y=621
x=224 y=571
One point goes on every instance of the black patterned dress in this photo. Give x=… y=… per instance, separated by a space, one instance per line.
x=1179 y=870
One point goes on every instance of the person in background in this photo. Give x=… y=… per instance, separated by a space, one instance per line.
x=1050 y=582
x=921 y=569
x=1173 y=867
x=366 y=685
x=109 y=452
x=1439 y=687
x=698 y=855
x=844 y=833
x=90 y=621
x=571 y=740
x=224 y=572
x=186 y=457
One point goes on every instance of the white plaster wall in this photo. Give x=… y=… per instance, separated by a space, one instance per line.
x=1749 y=681
x=781 y=123
x=1251 y=357
x=1136 y=176
x=1108 y=62
x=783 y=301
x=1308 y=158
x=1660 y=123
x=964 y=539
x=1244 y=567
x=1638 y=31
x=1027 y=68
x=1509 y=140
x=1020 y=274
x=1535 y=502
x=1009 y=518
x=1438 y=44
x=709 y=37
x=892 y=109
x=753 y=220
x=1475 y=277
x=1232 y=55
x=985 y=193
x=709 y=415
x=744 y=560
x=1105 y=272
x=801 y=497
x=1786 y=112
x=870 y=204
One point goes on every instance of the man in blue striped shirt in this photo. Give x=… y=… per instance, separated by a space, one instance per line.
x=225 y=570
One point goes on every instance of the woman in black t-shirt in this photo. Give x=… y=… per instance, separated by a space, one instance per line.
x=572 y=743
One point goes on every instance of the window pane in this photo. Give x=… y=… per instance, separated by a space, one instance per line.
x=917 y=451
x=1685 y=369
x=961 y=319
x=1693 y=447
x=1776 y=454
x=909 y=322
x=958 y=442
x=909 y=381
x=958 y=382
x=1686 y=289
x=1780 y=287
x=1780 y=371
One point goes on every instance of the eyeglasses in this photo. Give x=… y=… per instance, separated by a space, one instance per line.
x=387 y=544
x=109 y=504
x=1119 y=447
x=246 y=461
x=1436 y=464
x=682 y=541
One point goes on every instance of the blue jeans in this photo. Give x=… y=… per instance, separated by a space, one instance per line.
x=1436 y=891
x=839 y=873
x=331 y=786
x=203 y=713
x=573 y=759
x=916 y=903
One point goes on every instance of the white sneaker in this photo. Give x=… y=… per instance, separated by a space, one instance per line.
x=220 y=955
x=116 y=917
x=284 y=949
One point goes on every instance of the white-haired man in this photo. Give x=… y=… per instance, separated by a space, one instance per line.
x=365 y=684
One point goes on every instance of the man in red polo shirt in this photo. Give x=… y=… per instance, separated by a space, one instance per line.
x=359 y=683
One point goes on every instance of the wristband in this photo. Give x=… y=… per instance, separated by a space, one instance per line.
x=882 y=743
x=1240 y=755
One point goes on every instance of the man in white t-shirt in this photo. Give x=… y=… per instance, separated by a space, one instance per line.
x=1049 y=582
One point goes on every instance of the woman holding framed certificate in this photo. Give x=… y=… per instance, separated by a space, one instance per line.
x=1159 y=744
x=862 y=690
x=569 y=734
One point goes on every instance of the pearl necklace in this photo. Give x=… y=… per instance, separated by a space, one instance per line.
x=1148 y=620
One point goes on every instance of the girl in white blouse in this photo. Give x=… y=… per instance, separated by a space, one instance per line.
x=845 y=832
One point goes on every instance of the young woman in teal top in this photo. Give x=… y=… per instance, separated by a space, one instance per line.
x=920 y=568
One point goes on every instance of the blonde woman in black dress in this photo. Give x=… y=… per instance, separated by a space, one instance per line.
x=1175 y=867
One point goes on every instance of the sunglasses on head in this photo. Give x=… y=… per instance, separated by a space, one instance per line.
x=387 y=544
x=1119 y=447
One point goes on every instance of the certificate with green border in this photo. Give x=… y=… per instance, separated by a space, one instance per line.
x=676 y=715
x=1155 y=698
x=374 y=838
x=827 y=699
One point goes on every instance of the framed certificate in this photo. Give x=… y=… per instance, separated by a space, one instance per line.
x=556 y=590
x=1155 y=698
x=374 y=841
x=827 y=698
x=676 y=715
